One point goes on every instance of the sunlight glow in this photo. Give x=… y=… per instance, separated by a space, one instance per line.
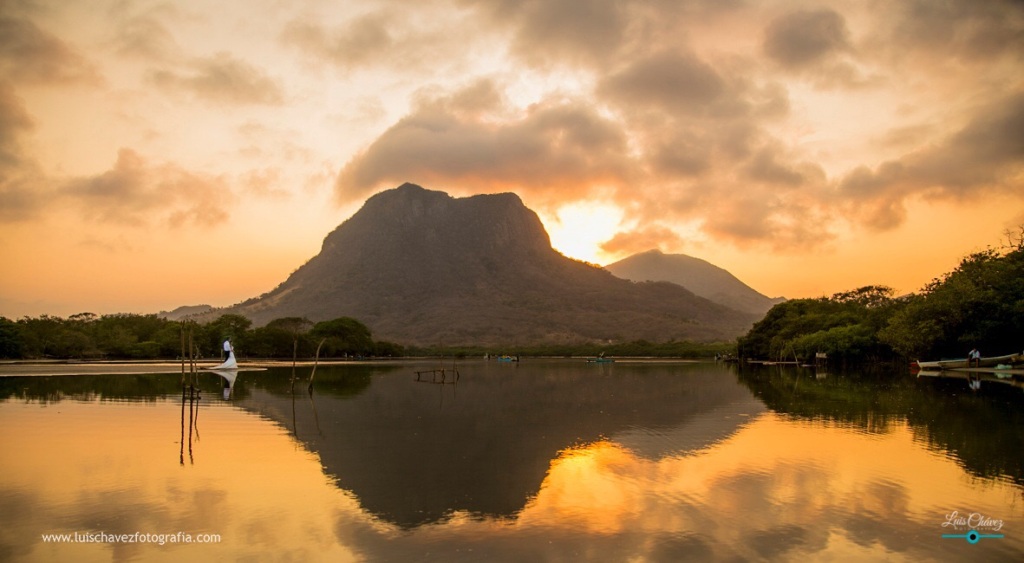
x=578 y=229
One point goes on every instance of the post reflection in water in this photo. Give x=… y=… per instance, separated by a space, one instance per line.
x=193 y=421
x=551 y=461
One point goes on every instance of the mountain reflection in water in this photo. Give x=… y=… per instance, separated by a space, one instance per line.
x=547 y=460
x=416 y=453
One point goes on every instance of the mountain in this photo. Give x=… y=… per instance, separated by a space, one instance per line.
x=184 y=311
x=421 y=267
x=700 y=277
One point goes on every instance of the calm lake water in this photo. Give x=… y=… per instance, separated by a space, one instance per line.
x=547 y=460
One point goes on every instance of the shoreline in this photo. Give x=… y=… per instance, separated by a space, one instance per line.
x=44 y=368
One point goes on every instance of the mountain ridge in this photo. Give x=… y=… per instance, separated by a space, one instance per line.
x=699 y=276
x=419 y=266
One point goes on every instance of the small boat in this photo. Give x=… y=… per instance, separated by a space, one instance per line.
x=508 y=358
x=600 y=359
x=962 y=362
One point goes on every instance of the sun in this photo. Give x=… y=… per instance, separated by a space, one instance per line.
x=577 y=229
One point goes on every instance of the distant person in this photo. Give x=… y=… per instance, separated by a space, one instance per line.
x=974 y=358
x=974 y=382
x=228 y=349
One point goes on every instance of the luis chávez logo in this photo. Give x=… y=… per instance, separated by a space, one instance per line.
x=972 y=527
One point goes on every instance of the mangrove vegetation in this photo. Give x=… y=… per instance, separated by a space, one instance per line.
x=980 y=304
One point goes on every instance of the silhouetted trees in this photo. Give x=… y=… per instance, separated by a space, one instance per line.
x=979 y=304
x=844 y=326
x=133 y=336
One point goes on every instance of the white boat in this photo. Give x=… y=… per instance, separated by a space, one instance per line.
x=962 y=362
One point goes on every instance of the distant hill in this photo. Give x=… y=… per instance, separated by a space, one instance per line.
x=699 y=276
x=184 y=311
x=421 y=267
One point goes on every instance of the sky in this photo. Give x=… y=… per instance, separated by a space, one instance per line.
x=163 y=153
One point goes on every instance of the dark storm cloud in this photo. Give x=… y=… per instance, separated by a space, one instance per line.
x=134 y=189
x=222 y=79
x=29 y=53
x=803 y=38
x=555 y=145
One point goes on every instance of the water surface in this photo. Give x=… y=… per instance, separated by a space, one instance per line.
x=545 y=460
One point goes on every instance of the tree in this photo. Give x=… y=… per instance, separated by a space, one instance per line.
x=10 y=339
x=344 y=335
x=213 y=334
x=980 y=304
x=291 y=328
x=844 y=326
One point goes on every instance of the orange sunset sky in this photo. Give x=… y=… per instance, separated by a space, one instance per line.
x=156 y=154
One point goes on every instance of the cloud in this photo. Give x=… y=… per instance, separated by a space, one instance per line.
x=770 y=166
x=410 y=38
x=471 y=141
x=222 y=79
x=966 y=31
x=816 y=45
x=20 y=198
x=676 y=83
x=596 y=34
x=134 y=190
x=562 y=32
x=31 y=54
x=806 y=37
x=264 y=183
x=984 y=156
x=360 y=42
x=144 y=35
x=18 y=171
x=14 y=121
x=641 y=239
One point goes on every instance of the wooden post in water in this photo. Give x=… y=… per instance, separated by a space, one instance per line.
x=181 y=325
x=316 y=360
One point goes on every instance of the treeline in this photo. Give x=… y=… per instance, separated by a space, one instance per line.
x=132 y=336
x=636 y=348
x=143 y=337
x=980 y=305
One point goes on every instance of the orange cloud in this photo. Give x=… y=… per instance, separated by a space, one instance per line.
x=464 y=141
x=222 y=79
x=29 y=53
x=134 y=190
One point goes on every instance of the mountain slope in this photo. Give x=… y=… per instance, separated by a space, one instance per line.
x=700 y=277
x=420 y=267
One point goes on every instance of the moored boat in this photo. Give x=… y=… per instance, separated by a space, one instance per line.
x=962 y=362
